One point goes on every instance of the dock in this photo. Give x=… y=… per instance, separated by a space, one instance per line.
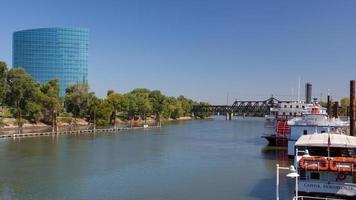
x=76 y=132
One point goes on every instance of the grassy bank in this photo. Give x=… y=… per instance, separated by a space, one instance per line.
x=9 y=125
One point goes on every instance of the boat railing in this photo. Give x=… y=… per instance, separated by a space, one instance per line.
x=314 y=163
x=314 y=198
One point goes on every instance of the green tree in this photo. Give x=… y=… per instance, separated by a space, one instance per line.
x=187 y=105
x=129 y=106
x=93 y=106
x=104 y=111
x=324 y=104
x=35 y=111
x=203 y=113
x=76 y=100
x=169 y=106
x=345 y=103
x=21 y=92
x=157 y=101
x=178 y=110
x=50 y=99
x=116 y=100
x=141 y=101
x=3 y=82
x=109 y=92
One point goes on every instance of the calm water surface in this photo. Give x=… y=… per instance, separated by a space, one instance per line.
x=210 y=160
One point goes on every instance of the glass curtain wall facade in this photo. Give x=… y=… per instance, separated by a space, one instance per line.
x=49 y=53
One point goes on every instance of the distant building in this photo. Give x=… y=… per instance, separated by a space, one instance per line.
x=48 y=53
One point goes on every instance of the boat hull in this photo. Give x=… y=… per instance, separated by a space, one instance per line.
x=344 y=191
x=274 y=141
x=323 y=195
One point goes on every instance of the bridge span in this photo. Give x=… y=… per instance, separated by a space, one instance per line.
x=238 y=108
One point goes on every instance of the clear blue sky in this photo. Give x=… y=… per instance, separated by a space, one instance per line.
x=203 y=49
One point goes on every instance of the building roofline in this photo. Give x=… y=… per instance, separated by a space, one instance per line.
x=49 y=28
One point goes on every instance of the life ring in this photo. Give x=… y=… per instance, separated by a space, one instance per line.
x=341 y=176
x=343 y=164
x=314 y=163
x=315 y=110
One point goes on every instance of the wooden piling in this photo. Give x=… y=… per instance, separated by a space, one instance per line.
x=329 y=107
x=336 y=109
x=352 y=108
x=308 y=93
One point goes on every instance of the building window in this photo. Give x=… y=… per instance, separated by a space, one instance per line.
x=291 y=106
x=297 y=106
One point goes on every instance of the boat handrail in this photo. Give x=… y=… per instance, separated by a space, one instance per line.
x=343 y=164
x=314 y=163
x=350 y=184
x=315 y=198
x=336 y=164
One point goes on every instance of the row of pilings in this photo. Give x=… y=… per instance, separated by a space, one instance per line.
x=333 y=108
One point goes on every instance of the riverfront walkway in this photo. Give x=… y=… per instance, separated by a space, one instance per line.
x=74 y=132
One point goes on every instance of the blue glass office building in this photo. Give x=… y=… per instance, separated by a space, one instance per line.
x=48 y=53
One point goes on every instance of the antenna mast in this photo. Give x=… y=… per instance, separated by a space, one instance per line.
x=299 y=89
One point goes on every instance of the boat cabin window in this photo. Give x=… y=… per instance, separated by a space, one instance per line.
x=334 y=152
x=302 y=174
x=314 y=175
x=323 y=131
x=305 y=132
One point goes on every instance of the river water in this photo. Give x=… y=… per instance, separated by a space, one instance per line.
x=192 y=160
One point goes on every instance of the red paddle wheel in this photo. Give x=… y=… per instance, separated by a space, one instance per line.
x=282 y=131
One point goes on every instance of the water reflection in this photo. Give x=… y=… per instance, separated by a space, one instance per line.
x=201 y=159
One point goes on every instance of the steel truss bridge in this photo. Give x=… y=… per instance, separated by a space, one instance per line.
x=238 y=108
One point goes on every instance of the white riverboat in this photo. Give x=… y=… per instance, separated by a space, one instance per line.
x=287 y=110
x=276 y=121
x=326 y=164
x=314 y=120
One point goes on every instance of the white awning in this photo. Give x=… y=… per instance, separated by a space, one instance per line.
x=321 y=140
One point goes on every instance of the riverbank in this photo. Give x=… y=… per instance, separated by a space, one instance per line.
x=77 y=126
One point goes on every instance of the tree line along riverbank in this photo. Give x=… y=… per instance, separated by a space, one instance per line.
x=26 y=103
